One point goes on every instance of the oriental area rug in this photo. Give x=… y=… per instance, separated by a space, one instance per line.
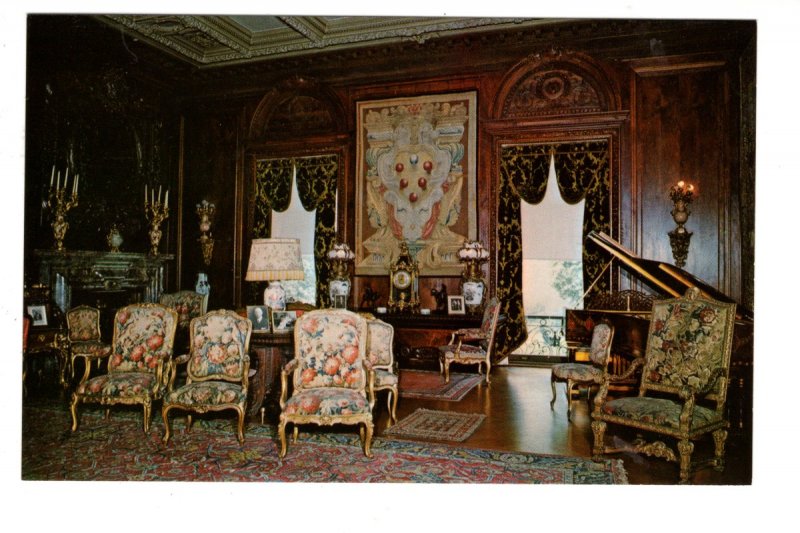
x=118 y=450
x=436 y=425
x=428 y=385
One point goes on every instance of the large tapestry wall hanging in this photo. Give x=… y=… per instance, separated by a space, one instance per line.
x=415 y=181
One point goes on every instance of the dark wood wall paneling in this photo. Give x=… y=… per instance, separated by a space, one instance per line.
x=679 y=117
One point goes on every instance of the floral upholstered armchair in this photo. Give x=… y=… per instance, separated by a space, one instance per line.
x=332 y=380
x=217 y=369
x=583 y=374
x=380 y=353
x=683 y=385
x=84 y=339
x=472 y=346
x=140 y=355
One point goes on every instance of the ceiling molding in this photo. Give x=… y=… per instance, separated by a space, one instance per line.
x=205 y=41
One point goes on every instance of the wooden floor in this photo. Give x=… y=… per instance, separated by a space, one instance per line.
x=518 y=418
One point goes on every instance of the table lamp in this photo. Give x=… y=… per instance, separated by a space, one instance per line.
x=275 y=260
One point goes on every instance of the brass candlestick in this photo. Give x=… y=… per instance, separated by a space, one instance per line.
x=156 y=212
x=681 y=196
x=59 y=203
x=205 y=211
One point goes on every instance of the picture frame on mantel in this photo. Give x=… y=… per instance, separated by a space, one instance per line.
x=455 y=305
x=415 y=181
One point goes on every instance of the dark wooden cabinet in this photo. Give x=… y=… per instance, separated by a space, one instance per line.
x=268 y=353
x=417 y=336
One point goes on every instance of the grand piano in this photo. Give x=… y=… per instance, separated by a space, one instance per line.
x=629 y=312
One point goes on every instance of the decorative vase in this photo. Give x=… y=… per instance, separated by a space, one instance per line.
x=202 y=286
x=114 y=239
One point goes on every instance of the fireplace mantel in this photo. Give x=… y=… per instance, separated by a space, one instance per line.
x=142 y=275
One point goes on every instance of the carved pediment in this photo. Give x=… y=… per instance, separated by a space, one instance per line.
x=555 y=83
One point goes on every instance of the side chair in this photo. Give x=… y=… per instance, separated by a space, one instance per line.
x=472 y=346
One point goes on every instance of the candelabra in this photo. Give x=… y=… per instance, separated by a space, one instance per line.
x=340 y=257
x=473 y=287
x=681 y=196
x=205 y=211
x=60 y=202
x=156 y=212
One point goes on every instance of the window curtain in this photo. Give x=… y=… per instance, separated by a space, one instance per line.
x=316 y=185
x=583 y=172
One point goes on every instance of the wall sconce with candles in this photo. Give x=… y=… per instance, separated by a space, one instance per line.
x=205 y=211
x=340 y=256
x=60 y=202
x=275 y=260
x=473 y=287
x=155 y=211
x=681 y=195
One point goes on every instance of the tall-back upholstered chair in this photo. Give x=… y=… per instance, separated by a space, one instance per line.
x=188 y=305
x=683 y=385
x=472 y=346
x=331 y=377
x=140 y=355
x=84 y=339
x=584 y=374
x=217 y=369
x=380 y=353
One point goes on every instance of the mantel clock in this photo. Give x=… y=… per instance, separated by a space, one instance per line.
x=403 y=282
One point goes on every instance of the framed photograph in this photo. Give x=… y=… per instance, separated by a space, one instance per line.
x=455 y=305
x=283 y=321
x=340 y=301
x=415 y=180
x=259 y=316
x=38 y=314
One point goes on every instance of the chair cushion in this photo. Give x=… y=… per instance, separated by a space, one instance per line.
x=658 y=411
x=385 y=378
x=327 y=402
x=118 y=384
x=207 y=393
x=92 y=349
x=578 y=372
x=467 y=351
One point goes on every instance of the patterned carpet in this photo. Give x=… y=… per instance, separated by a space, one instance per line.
x=436 y=425
x=118 y=450
x=429 y=385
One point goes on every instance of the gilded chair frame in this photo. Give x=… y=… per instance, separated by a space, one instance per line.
x=242 y=343
x=89 y=348
x=680 y=377
x=160 y=360
x=383 y=363
x=461 y=348
x=588 y=375
x=293 y=368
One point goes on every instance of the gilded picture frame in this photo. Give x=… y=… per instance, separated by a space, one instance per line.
x=415 y=181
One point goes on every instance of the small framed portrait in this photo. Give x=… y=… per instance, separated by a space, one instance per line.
x=340 y=301
x=38 y=314
x=259 y=316
x=455 y=305
x=283 y=321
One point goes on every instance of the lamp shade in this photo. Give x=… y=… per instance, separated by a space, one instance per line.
x=274 y=260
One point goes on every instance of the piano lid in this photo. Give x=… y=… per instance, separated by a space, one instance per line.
x=663 y=277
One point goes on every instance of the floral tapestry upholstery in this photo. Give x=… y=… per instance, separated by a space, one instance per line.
x=328 y=402
x=330 y=349
x=83 y=324
x=584 y=374
x=332 y=379
x=380 y=352
x=140 y=355
x=188 y=304
x=460 y=351
x=83 y=337
x=217 y=369
x=683 y=386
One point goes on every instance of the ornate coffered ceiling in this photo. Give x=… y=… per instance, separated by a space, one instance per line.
x=224 y=40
